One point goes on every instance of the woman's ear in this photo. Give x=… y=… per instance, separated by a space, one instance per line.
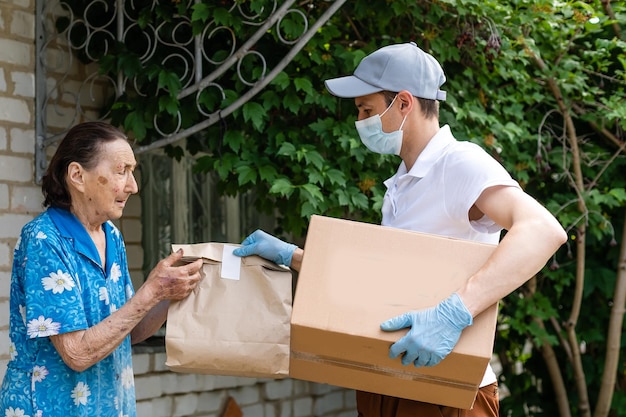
x=75 y=177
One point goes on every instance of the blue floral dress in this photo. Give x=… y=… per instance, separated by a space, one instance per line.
x=58 y=285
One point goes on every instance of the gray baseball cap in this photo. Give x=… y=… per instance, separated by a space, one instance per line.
x=393 y=68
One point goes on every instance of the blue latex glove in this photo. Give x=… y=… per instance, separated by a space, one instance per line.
x=266 y=246
x=434 y=332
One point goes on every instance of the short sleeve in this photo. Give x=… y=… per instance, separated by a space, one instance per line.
x=52 y=289
x=471 y=171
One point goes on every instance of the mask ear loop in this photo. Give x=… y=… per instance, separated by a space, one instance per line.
x=390 y=104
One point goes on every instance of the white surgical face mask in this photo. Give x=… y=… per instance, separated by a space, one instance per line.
x=371 y=133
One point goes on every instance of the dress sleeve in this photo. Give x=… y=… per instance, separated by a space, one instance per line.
x=52 y=291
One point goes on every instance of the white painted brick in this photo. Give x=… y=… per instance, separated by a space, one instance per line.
x=349 y=398
x=5 y=284
x=5 y=256
x=4 y=313
x=285 y=407
x=14 y=110
x=246 y=395
x=23 y=24
x=11 y=224
x=301 y=387
x=158 y=362
x=185 y=405
x=3 y=81
x=16 y=168
x=61 y=116
x=162 y=407
x=3 y=367
x=144 y=409
x=241 y=381
x=206 y=382
x=178 y=383
x=4 y=342
x=148 y=387
x=26 y=200
x=23 y=140
x=328 y=403
x=221 y=382
x=270 y=409
x=302 y=407
x=141 y=363
x=255 y=410
x=18 y=53
x=24 y=84
x=278 y=389
x=4 y=196
x=211 y=401
x=321 y=389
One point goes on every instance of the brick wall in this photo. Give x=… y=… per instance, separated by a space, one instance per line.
x=159 y=392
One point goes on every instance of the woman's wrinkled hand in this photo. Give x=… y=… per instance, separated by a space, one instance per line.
x=172 y=280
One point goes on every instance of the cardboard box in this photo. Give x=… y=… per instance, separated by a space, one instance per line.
x=355 y=276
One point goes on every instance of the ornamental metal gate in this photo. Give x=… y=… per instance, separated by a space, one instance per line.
x=69 y=89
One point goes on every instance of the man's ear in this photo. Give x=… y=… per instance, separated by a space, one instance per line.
x=406 y=100
x=75 y=177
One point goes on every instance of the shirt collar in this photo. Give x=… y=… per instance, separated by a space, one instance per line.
x=70 y=227
x=431 y=153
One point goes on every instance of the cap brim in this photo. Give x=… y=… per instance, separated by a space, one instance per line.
x=350 y=87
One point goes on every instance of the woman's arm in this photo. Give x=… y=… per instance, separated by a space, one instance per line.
x=82 y=349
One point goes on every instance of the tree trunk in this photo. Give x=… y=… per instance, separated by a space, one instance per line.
x=614 y=335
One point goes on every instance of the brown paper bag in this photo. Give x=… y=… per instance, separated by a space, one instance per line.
x=228 y=326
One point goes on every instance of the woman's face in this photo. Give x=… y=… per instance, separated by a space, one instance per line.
x=108 y=186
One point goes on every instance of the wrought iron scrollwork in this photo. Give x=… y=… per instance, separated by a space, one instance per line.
x=74 y=38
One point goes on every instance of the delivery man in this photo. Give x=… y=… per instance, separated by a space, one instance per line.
x=445 y=187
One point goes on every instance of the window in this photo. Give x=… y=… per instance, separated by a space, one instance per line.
x=179 y=206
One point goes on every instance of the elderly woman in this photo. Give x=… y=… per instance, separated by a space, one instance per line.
x=73 y=310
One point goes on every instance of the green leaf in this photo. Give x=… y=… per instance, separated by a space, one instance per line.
x=304 y=85
x=282 y=186
x=255 y=113
x=247 y=174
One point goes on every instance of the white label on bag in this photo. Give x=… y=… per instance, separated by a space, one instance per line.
x=231 y=264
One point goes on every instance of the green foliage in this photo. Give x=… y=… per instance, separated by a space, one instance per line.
x=295 y=145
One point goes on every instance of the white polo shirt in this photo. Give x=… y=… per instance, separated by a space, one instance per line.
x=435 y=196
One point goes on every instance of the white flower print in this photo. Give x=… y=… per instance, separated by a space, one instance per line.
x=80 y=393
x=23 y=313
x=41 y=327
x=128 y=380
x=41 y=235
x=104 y=295
x=12 y=351
x=116 y=272
x=39 y=374
x=58 y=282
x=39 y=413
x=113 y=308
x=129 y=291
x=14 y=412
